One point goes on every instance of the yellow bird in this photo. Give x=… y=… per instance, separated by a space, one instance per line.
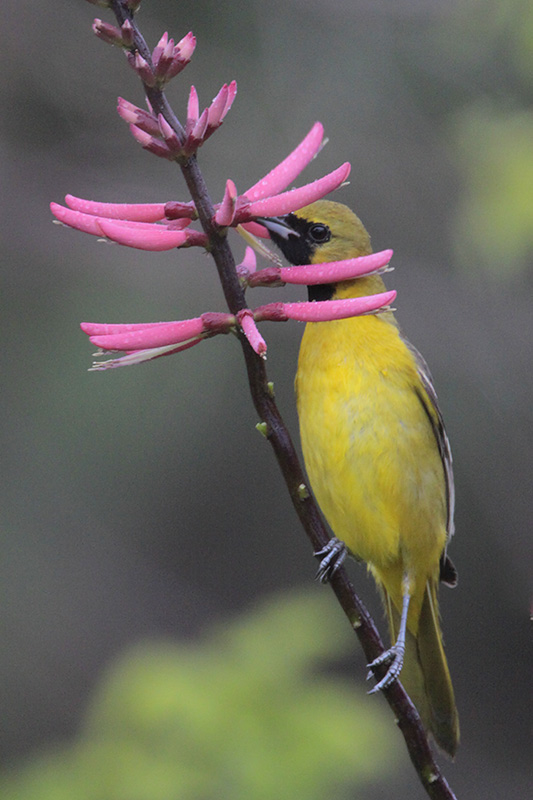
x=378 y=458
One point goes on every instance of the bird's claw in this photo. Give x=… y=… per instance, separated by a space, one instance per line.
x=395 y=656
x=333 y=554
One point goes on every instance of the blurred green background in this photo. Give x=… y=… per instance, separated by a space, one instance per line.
x=161 y=633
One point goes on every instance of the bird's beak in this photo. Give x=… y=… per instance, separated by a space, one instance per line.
x=279 y=226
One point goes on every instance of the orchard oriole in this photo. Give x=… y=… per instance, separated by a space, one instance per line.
x=377 y=457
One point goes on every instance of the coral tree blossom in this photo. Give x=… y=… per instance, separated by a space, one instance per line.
x=164 y=226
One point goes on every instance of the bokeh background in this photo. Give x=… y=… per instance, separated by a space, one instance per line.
x=162 y=636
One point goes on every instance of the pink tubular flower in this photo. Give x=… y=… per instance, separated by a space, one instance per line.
x=325 y=310
x=289 y=169
x=313 y=274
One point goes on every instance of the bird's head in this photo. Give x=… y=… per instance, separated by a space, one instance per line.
x=322 y=231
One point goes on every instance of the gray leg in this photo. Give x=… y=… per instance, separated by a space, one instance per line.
x=396 y=653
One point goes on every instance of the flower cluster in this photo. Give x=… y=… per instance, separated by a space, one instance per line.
x=164 y=226
x=158 y=136
x=146 y=341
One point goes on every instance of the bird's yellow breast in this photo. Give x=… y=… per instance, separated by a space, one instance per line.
x=369 y=448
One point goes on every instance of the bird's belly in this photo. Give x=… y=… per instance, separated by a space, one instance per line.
x=372 y=460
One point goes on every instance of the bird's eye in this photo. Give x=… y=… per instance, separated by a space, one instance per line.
x=319 y=233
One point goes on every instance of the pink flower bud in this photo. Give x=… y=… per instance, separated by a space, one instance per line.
x=152 y=144
x=216 y=109
x=169 y=135
x=232 y=94
x=197 y=133
x=196 y=136
x=193 y=110
x=159 y=49
x=137 y=116
x=168 y=52
x=142 y=68
x=127 y=32
x=220 y=107
x=108 y=33
x=225 y=214
x=181 y=55
x=247 y=266
x=247 y=323
x=185 y=47
x=170 y=59
x=164 y=63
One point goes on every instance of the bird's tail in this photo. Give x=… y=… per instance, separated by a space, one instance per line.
x=425 y=675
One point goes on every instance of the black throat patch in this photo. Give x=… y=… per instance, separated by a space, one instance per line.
x=321 y=291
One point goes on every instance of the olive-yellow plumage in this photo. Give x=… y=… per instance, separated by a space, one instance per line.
x=377 y=455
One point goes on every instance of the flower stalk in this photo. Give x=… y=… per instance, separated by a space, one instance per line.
x=167 y=225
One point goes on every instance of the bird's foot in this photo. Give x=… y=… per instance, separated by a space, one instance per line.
x=394 y=657
x=332 y=558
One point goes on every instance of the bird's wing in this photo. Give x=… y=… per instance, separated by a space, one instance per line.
x=430 y=402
